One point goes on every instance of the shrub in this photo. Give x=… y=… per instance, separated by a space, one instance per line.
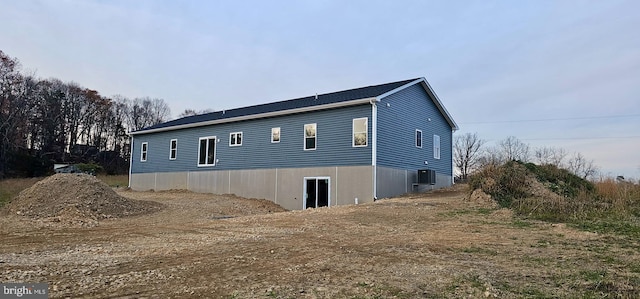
x=560 y=181
x=89 y=168
x=504 y=183
x=545 y=192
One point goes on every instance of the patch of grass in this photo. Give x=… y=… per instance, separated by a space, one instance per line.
x=634 y=268
x=612 y=226
x=115 y=180
x=10 y=188
x=609 y=259
x=475 y=281
x=560 y=181
x=522 y=187
x=272 y=294
x=503 y=285
x=456 y=213
x=472 y=280
x=479 y=250
x=462 y=212
x=485 y=211
x=536 y=261
x=520 y=223
x=381 y=291
x=593 y=275
x=532 y=292
x=542 y=243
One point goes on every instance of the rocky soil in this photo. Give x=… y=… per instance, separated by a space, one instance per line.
x=436 y=245
x=76 y=200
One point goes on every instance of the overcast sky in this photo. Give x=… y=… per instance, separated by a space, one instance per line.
x=551 y=73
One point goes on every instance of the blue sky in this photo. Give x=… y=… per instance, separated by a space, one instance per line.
x=488 y=61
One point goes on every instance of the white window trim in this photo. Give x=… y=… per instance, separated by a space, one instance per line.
x=214 y=151
x=436 y=147
x=415 y=139
x=144 y=151
x=236 y=133
x=366 y=132
x=304 y=134
x=279 y=135
x=171 y=149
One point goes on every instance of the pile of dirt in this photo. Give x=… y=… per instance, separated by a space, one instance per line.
x=517 y=181
x=478 y=196
x=76 y=199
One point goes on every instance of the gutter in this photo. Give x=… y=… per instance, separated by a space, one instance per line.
x=257 y=116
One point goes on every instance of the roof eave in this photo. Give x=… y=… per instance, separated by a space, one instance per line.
x=257 y=116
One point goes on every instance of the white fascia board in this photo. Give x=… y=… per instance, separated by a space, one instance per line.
x=378 y=98
x=260 y=115
x=438 y=103
x=431 y=93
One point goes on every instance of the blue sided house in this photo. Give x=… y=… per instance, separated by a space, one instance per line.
x=345 y=147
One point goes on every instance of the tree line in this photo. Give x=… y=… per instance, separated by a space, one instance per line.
x=47 y=121
x=470 y=154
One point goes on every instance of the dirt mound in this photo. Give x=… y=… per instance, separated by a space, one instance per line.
x=478 y=196
x=76 y=199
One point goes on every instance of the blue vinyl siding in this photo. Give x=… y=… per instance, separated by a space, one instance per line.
x=408 y=110
x=334 y=143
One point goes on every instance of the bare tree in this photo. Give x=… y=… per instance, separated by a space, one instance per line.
x=466 y=153
x=145 y=112
x=580 y=166
x=491 y=156
x=14 y=108
x=513 y=149
x=191 y=112
x=550 y=155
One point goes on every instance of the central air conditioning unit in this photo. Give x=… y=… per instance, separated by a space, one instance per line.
x=426 y=176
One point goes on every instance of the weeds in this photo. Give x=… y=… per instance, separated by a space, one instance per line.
x=619 y=227
x=517 y=223
x=479 y=250
x=552 y=194
x=9 y=188
x=381 y=291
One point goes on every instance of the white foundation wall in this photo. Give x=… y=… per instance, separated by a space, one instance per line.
x=282 y=186
x=394 y=182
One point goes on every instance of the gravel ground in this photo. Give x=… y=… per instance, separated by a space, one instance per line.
x=435 y=245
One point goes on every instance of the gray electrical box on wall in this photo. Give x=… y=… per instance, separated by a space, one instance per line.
x=426 y=176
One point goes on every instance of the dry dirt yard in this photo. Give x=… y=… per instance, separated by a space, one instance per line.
x=435 y=245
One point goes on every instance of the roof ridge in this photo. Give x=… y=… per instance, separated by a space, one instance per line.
x=295 y=103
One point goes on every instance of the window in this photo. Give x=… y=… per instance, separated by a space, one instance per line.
x=419 y=138
x=275 y=135
x=173 y=149
x=436 y=147
x=360 y=132
x=310 y=137
x=235 y=139
x=207 y=151
x=143 y=151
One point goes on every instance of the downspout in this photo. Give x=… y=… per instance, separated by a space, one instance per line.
x=130 y=159
x=374 y=144
x=453 y=165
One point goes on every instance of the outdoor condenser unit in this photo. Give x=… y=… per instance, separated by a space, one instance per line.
x=426 y=176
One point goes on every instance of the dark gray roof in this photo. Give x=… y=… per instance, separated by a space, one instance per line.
x=323 y=99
